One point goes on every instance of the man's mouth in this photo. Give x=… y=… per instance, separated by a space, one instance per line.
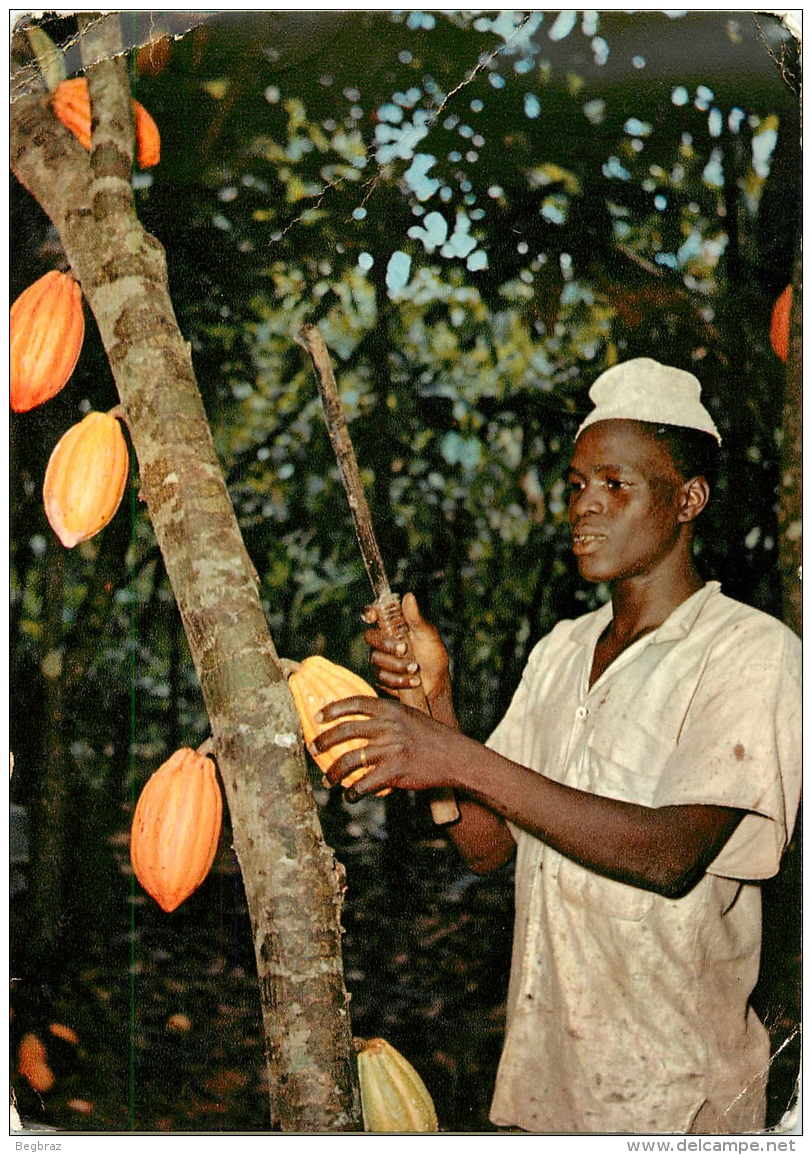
x=586 y=542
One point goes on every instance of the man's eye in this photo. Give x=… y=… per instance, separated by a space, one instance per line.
x=613 y=483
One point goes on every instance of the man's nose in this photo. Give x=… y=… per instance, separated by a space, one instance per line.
x=586 y=500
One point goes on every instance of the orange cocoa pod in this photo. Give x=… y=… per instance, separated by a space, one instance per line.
x=46 y=331
x=313 y=684
x=147 y=137
x=176 y=828
x=71 y=103
x=32 y=1063
x=779 y=324
x=86 y=478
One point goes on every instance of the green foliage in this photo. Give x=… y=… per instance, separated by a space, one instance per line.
x=462 y=383
x=479 y=226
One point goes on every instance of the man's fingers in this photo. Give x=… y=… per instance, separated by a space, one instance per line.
x=394 y=673
x=384 y=643
x=350 y=767
x=411 y=612
x=358 y=704
x=336 y=735
x=394 y=663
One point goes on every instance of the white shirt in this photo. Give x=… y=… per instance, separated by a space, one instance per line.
x=628 y=1011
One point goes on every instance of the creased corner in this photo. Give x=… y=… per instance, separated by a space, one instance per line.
x=791 y=21
x=137 y=30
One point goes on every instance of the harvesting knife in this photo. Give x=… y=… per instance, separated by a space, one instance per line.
x=390 y=615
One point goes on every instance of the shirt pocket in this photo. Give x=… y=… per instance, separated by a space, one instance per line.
x=604 y=896
x=626 y=764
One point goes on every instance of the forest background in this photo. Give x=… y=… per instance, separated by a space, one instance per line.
x=481 y=211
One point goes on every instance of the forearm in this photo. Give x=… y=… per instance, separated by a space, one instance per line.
x=441 y=703
x=664 y=849
x=481 y=836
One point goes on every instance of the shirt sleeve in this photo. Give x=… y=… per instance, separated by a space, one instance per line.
x=741 y=745
x=510 y=737
x=507 y=738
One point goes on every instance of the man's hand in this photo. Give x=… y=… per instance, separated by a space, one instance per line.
x=393 y=670
x=410 y=750
x=404 y=747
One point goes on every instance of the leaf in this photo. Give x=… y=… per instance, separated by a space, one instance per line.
x=550 y=173
x=216 y=88
x=50 y=59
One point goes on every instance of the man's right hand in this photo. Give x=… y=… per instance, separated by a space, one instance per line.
x=392 y=667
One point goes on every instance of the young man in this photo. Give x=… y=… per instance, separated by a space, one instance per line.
x=647 y=777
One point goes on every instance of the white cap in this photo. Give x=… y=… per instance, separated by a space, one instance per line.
x=645 y=390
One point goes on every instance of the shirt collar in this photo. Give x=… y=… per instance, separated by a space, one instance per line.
x=680 y=621
x=677 y=625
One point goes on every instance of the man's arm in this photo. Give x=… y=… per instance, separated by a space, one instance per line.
x=665 y=849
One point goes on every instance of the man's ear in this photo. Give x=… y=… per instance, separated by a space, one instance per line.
x=693 y=497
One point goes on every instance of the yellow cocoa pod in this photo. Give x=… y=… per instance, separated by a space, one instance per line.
x=313 y=684
x=46 y=331
x=86 y=478
x=71 y=103
x=176 y=828
x=393 y=1096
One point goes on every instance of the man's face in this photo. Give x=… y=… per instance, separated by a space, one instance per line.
x=624 y=502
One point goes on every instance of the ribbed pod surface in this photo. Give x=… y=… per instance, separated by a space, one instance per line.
x=46 y=331
x=393 y=1096
x=85 y=478
x=176 y=828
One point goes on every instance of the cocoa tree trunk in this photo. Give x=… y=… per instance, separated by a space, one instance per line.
x=292 y=881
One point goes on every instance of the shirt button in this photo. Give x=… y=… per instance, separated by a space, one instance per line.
x=581 y=712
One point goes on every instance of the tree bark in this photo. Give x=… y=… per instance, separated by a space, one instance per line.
x=292 y=881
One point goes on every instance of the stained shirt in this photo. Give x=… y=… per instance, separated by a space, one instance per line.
x=628 y=1011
